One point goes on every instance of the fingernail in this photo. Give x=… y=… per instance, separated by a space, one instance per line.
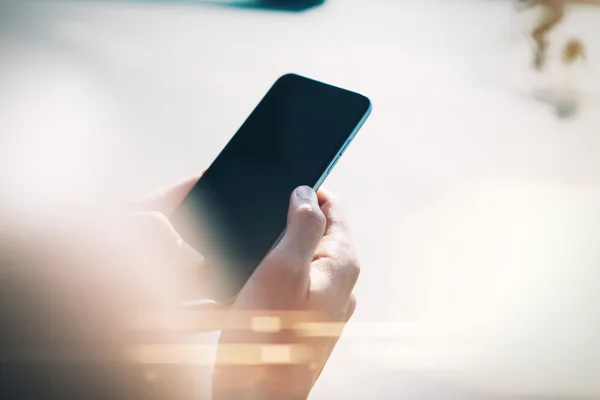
x=306 y=194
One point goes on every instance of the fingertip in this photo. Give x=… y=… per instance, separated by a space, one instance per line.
x=304 y=209
x=191 y=252
x=148 y=223
x=304 y=195
x=325 y=195
x=167 y=199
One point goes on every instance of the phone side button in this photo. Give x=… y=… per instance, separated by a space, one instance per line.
x=332 y=165
x=344 y=148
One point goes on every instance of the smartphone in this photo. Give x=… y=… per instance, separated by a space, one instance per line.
x=237 y=211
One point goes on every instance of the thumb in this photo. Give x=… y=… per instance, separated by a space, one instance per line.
x=305 y=228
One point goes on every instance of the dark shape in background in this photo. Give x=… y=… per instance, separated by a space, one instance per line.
x=273 y=5
x=564 y=105
x=278 y=5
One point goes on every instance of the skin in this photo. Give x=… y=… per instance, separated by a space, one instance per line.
x=316 y=269
x=313 y=268
x=92 y=278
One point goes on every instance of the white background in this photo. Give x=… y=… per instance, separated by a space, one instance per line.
x=476 y=209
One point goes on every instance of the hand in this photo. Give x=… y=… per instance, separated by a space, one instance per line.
x=150 y=225
x=308 y=277
x=127 y=252
x=312 y=270
x=87 y=291
x=92 y=275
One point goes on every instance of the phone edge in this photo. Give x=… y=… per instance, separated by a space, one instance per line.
x=329 y=168
x=343 y=148
x=324 y=175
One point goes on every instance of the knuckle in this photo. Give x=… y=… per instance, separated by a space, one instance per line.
x=351 y=270
x=351 y=307
x=153 y=218
x=276 y=260
x=153 y=228
x=312 y=216
x=356 y=271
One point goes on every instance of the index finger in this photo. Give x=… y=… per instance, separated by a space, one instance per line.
x=331 y=207
x=337 y=241
x=335 y=264
x=167 y=200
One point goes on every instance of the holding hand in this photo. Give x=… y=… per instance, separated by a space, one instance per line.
x=313 y=269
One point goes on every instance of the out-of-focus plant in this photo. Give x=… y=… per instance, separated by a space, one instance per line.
x=554 y=11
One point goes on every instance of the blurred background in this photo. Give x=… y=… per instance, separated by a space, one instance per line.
x=473 y=189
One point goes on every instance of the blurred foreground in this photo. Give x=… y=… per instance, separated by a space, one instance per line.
x=473 y=195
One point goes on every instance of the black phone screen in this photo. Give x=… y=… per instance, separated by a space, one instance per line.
x=238 y=208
